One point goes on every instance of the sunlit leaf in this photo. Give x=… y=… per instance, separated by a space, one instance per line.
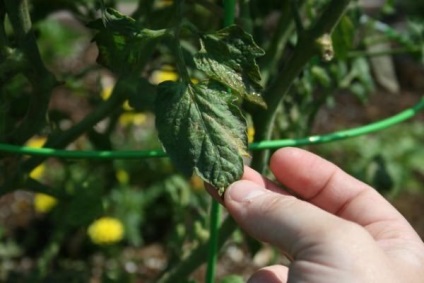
x=202 y=131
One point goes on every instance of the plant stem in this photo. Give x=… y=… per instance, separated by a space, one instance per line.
x=3 y=37
x=196 y=257
x=296 y=16
x=215 y=221
x=179 y=57
x=41 y=79
x=50 y=252
x=64 y=138
x=285 y=27
x=210 y=6
x=229 y=12
x=356 y=54
x=245 y=16
x=304 y=51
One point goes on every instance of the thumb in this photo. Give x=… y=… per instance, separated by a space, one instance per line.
x=284 y=221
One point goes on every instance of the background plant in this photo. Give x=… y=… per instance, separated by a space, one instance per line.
x=51 y=87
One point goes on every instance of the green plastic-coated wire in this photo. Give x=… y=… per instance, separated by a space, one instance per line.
x=262 y=145
x=345 y=134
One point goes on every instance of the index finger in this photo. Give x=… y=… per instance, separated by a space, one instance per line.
x=325 y=185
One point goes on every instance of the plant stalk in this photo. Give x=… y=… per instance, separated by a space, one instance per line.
x=196 y=257
x=41 y=79
x=62 y=139
x=304 y=51
x=213 y=251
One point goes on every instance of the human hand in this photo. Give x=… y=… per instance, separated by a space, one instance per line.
x=334 y=227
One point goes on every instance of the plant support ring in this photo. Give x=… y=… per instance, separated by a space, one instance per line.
x=262 y=145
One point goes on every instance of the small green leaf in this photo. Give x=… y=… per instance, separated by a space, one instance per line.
x=228 y=56
x=115 y=22
x=343 y=37
x=202 y=131
x=123 y=45
x=321 y=75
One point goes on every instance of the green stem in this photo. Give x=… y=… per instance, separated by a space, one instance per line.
x=356 y=54
x=211 y=6
x=269 y=62
x=143 y=9
x=215 y=221
x=35 y=186
x=296 y=16
x=229 y=12
x=196 y=258
x=305 y=50
x=179 y=57
x=50 y=252
x=3 y=37
x=62 y=139
x=41 y=79
x=245 y=16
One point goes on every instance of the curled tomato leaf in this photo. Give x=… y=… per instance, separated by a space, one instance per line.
x=228 y=56
x=202 y=130
x=124 y=46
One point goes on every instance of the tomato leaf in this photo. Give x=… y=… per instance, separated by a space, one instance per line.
x=202 y=130
x=228 y=56
x=124 y=47
x=343 y=36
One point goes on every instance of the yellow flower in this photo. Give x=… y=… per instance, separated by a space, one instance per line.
x=163 y=75
x=122 y=176
x=44 y=203
x=106 y=92
x=158 y=4
x=167 y=74
x=250 y=134
x=130 y=118
x=36 y=142
x=126 y=106
x=106 y=231
x=38 y=172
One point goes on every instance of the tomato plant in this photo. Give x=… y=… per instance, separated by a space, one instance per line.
x=199 y=78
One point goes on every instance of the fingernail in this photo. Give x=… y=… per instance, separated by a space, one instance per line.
x=244 y=190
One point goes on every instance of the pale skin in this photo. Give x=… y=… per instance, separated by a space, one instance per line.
x=334 y=227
